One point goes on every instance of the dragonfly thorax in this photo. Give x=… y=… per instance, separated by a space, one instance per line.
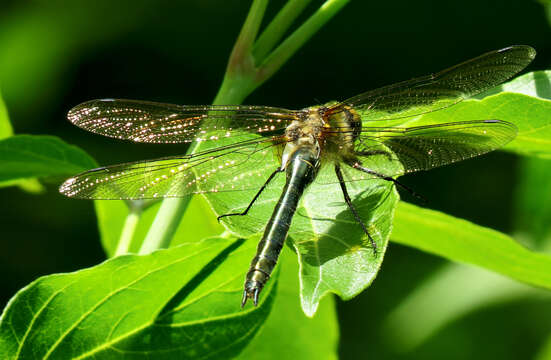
x=305 y=132
x=308 y=127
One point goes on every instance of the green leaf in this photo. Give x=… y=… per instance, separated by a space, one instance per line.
x=334 y=254
x=288 y=332
x=535 y=84
x=435 y=303
x=465 y=242
x=25 y=156
x=6 y=130
x=177 y=303
x=529 y=114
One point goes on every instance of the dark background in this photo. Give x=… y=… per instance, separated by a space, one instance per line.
x=56 y=54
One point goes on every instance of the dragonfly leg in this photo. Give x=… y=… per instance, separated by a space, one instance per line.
x=358 y=166
x=352 y=208
x=278 y=170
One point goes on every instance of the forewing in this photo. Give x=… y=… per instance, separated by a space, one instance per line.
x=426 y=147
x=436 y=91
x=151 y=122
x=236 y=167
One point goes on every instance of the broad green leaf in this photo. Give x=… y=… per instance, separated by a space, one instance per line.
x=338 y=258
x=465 y=242
x=24 y=156
x=181 y=302
x=303 y=337
x=288 y=332
x=535 y=84
x=437 y=303
x=334 y=254
x=529 y=114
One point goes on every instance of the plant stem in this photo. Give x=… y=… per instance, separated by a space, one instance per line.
x=242 y=76
x=283 y=52
x=128 y=231
x=277 y=28
x=165 y=224
x=235 y=87
x=245 y=40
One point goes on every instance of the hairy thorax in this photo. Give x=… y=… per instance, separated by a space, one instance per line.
x=325 y=132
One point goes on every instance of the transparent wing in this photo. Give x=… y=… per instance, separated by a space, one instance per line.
x=426 y=147
x=151 y=122
x=440 y=90
x=241 y=166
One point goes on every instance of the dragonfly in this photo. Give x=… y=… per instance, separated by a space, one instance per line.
x=343 y=136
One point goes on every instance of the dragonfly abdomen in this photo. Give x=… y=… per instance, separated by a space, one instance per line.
x=300 y=172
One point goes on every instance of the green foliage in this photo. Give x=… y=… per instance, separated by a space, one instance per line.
x=533 y=212
x=26 y=156
x=529 y=114
x=297 y=335
x=536 y=84
x=408 y=326
x=462 y=241
x=111 y=223
x=184 y=301
x=335 y=255
x=436 y=303
x=6 y=130
x=170 y=304
x=545 y=352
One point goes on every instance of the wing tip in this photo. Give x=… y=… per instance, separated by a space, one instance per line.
x=67 y=188
x=527 y=51
x=84 y=111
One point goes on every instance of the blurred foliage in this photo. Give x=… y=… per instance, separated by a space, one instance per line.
x=55 y=54
x=533 y=216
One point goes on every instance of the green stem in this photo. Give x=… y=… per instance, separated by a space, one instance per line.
x=128 y=231
x=241 y=63
x=241 y=78
x=245 y=40
x=165 y=224
x=277 y=28
x=235 y=87
x=283 y=52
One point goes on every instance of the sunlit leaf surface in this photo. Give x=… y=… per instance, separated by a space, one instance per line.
x=175 y=303
x=305 y=338
x=529 y=114
x=535 y=84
